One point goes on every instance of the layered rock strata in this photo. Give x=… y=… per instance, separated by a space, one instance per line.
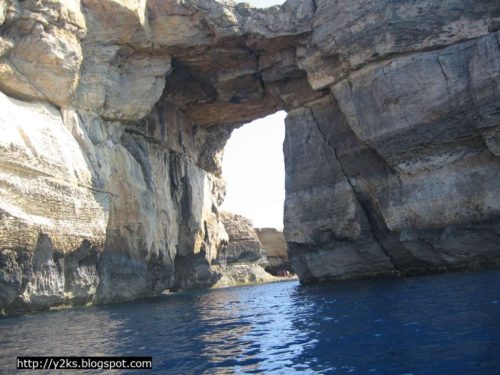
x=275 y=249
x=241 y=259
x=242 y=245
x=114 y=115
x=395 y=172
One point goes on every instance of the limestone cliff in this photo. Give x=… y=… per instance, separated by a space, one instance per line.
x=242 y=245
x=396 y=171
x=241 y=259
x=275 y=249
x=114 y=115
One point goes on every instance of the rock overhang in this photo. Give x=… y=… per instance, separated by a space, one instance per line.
x=391 y=149
x=116 y=56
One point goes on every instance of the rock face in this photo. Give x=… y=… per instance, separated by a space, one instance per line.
x=243 y=244
x=114 y=115
x=275 y=249
x=399 y=175
x=240 y=260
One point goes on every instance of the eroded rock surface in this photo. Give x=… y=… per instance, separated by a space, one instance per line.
x=243 y=244
x=114 y=115
x=275 y=249
x=241 y=259
x=408 y=178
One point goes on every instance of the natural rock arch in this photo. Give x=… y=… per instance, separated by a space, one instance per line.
x=115 y=114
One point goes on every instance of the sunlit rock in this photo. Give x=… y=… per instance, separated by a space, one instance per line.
x=114 y=116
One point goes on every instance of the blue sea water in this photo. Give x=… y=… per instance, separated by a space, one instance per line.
x=444 y=324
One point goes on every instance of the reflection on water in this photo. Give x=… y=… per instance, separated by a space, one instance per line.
x=448 y=324
x=249 y=334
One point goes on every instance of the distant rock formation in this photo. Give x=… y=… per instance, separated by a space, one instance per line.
x=114 y=115
x=239 y=259
x=275 y=249
x=243 y=245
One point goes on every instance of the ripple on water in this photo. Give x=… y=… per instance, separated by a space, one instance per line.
x=443 y=324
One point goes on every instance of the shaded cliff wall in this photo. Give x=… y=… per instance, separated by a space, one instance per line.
x=115 y=113
x=397 y=170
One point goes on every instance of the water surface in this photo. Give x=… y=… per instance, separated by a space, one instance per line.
x=445 y=324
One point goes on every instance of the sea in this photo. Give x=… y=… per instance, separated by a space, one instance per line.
x=440 y=324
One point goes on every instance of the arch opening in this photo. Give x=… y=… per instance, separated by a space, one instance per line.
x=254 y=171
x=253 y=167
x=265 y=3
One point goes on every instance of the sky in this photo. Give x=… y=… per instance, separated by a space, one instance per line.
x=262 y=3
x=253 y=167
